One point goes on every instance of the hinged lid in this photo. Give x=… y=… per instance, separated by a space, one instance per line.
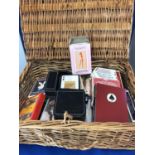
x=48 y=25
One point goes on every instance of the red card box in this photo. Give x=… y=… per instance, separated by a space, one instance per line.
x=32 y=107
x=110 y=104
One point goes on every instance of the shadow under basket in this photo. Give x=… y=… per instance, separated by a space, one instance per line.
x=76 y=134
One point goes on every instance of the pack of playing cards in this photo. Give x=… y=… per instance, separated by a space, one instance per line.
x=69 y=82
x=32 y=107
x=47 y=113
x=110 y=104
x=38 y=87
x=80 y=54
x=107 y=77
x=130 y=106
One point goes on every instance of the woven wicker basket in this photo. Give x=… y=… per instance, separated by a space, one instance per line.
x=47 y=26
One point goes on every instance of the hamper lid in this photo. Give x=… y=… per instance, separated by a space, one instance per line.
x=48 y=25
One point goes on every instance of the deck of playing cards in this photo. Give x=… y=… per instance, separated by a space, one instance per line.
x=32 y=107
x=80 y=53
x=69 y=82
x=110 y=104
x=107 y=77
x=130 y=106
x=47 y=113
x=38 y=87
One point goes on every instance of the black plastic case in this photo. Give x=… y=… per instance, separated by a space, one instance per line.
x=53 y=82
x=72 y=101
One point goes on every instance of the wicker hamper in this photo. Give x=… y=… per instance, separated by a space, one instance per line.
x=47 y=26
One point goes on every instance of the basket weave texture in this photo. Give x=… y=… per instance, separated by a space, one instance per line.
x=47 y=26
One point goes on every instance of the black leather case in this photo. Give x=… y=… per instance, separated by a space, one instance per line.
x=53 y=82
x=72 y=101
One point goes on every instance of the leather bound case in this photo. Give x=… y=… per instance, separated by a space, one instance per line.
x=110 y=104
x=72 y=101
x=53 y=82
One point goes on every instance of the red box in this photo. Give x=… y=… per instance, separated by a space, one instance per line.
x=110 y=104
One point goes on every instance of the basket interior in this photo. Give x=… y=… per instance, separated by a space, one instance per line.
x=40 y=69
x=76 y=134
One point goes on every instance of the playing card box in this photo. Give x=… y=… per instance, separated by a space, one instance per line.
x=80 y=55
x=31 y=109
x=106 y=76
x=47 y=112
x=110 y=104
x=38 y=87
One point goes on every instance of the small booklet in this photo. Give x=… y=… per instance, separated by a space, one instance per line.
x=80 y=54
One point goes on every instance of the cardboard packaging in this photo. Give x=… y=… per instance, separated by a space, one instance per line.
x=80 y=55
